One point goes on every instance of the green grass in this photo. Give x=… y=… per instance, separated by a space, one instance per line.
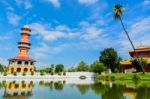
x=130 y=79
x=125 y=76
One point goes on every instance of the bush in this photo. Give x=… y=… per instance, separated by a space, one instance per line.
x=113 y=78
x=97 y=67
x=15 y=74
x=23 y=82
x=23 y=93
x=3 y=82
x=5 y=74
x=52 y=73
x=41 y=73
x=64 y=73
x=32 y=73
x=107 y=78
x=136 y=77
x=24 y=73
x=16 y=94
x=100 y=77
x=29 y=93
x=59 y=68
x=59 y=73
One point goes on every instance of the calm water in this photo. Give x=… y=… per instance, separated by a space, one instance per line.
x=68 y=90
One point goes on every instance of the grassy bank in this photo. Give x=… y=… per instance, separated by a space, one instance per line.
x=124 y=76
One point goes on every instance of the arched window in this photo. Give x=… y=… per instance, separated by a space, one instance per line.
x=32 y=63
x=19 y=62
x=12 y=70
x=18 y=69
x=26 y=62
x=25 y=69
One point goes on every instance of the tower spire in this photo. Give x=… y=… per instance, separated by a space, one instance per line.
x=24 y=44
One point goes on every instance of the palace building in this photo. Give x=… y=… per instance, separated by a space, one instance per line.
x=22 y=62
x=142 y=52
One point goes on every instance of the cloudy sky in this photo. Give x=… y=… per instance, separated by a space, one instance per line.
x=68 y=31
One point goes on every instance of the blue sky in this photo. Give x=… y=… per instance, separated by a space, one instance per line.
x=68 y=31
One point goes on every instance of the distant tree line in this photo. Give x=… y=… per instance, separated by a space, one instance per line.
x=59 y=69
x=108 y=59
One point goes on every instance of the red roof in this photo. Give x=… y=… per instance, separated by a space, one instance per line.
x=19 y=57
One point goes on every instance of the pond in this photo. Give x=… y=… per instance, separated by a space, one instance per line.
x=49 y=89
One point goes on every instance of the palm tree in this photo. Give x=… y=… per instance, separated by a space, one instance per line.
x=118 y=12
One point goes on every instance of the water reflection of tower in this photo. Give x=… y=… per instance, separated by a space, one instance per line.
x=18 y=89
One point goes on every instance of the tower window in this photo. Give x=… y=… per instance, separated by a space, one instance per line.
x=31 y=63
x=26 y=62
x=19 y=62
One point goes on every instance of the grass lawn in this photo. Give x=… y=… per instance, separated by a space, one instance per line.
x=125 y=76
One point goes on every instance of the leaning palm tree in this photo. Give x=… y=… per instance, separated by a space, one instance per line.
x=118 y=12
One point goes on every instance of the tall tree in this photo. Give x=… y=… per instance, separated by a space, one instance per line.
x=82 y=66
x=110 y=59
x=118 y=12
x=59 y=68
x=97 y=67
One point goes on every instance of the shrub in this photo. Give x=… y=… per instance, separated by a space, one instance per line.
x=24 y=73
x=23 y=93
x=101 y=77
x=52 y=73
x=41 y=73
x=29 y=93
x=15 y=74
x=136 y=77
x=3 y=82
x=59 y=68
x=32 y=73
x=122 y=78
x=107 y=78
x=16 y=94
x=59 y=73
x=113 y=78
x=64 y=81
x=64 y=73
x=23 y=82
x=5 y=74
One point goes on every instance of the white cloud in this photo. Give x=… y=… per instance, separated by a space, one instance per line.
x=50 y=34
x=19 y=2
x=87 y=1
x=91 y=33
x=56 y=3
x=13 y=18
x=3 y=61
x=27 y=4
x=139 y=32
x=4 y=37
x=146 y=2
x=43 y=50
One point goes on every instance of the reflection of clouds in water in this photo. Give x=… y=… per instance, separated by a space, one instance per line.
x=1 y=92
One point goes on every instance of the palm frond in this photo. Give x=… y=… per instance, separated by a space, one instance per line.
x=118 y=11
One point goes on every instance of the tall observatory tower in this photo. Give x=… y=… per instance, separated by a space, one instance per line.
x=22 y=62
